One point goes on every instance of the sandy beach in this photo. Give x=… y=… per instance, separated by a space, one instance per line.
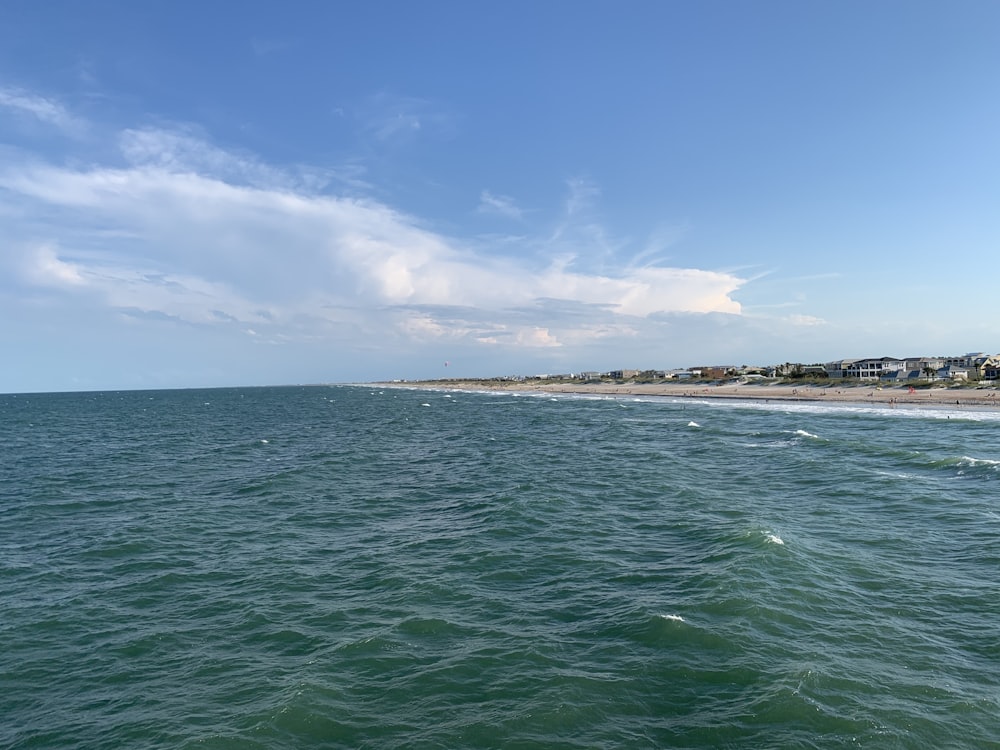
x=889 y=397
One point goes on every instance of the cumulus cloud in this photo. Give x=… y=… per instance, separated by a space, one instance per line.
x=536 y=336
x=42 y=266
x=192 y=233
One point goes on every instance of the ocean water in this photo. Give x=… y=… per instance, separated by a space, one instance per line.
x=359 y=567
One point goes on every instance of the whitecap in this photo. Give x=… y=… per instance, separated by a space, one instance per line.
x=672 y=618
x=773 y=538
x=693 y=424
x=970 y=461
x=803 y=433
x=895 y=475
x=425 y=404
x=263 y=442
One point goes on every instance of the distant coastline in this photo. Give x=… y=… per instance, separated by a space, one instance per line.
x=960 y=397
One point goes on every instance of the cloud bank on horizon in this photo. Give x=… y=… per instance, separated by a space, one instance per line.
x=141 y=251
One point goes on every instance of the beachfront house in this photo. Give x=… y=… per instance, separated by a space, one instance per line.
x=954 y=372
x=713 y=372
x=976 y=366
x=911 y=368
x=989 y=368
x=863 y=369
x=891 y=368
x=970 y=360
x=622 y=374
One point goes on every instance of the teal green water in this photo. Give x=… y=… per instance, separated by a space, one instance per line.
x=349 y=567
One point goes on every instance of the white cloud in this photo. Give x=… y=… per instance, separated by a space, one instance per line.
x=39 y=108
x=536 y=336
x=500 y=205
x=805 y=320
x=222 y=246
x=396 y=125
x=583 y=193
x=43 y=267
x=386 y=118
x=194 y=234
x=182 y=150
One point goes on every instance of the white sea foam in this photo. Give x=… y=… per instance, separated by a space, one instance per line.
x=773 y=538
x=425 y=404
x=693 y=424
x=263 y=441
x=895 y=475
x=904 y=411
x=803 y=433
x=970 y=461
x=672 y=618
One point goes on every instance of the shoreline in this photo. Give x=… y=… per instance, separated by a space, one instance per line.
x=867 y=395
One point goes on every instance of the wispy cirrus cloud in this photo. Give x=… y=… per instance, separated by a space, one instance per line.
x=184 y=149
x=583 y=194
x=387 y=117
x=806 y=320
x=41 y=109
x=500 y=205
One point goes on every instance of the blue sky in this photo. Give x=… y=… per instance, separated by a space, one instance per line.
x=212 y=193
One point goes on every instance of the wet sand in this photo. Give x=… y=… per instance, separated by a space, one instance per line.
x=890 y=397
